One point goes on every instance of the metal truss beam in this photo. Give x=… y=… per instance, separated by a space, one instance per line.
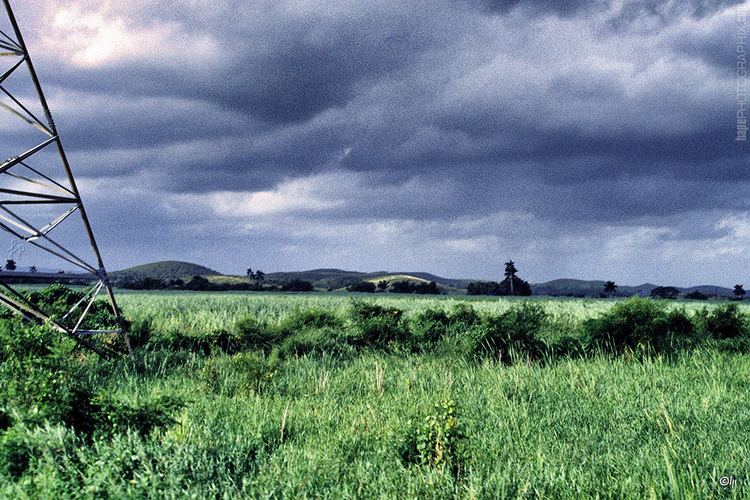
x=71 y=323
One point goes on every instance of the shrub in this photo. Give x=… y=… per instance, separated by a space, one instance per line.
x=726 y=322
x=696 y=295
x=254 y=334
x=56 y=300
x=376 y=326
x=640 y=325
x=5 y=421
x=39 y=379
x=570 y=346
x=15 y=453
x=665 y=292
x=433 y=325
x=430 y=326
x=297 y=285
x=362 y=287
x=515 y=332
x=438 y=442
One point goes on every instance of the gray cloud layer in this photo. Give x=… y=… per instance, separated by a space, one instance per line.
x=591 y=138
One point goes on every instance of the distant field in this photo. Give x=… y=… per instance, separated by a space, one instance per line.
x=205 y=311
x=383 y=421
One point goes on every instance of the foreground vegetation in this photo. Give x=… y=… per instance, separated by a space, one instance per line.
x=264 y=395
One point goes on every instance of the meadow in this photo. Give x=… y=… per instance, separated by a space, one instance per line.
x=325 y=395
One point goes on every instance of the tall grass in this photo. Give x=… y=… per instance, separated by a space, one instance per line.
x=281 y=420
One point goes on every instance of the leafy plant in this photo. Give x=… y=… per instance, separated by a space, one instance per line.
x=641 y=325
x=514 y=332
x=15 y=453
x=438 y=441
x=725 y=322
x=374 y=325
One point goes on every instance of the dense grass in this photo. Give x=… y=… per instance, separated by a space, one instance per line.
x=290 y=413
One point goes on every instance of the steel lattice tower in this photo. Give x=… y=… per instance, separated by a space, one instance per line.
x=38 y=180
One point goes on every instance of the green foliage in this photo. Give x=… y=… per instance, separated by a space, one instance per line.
x=433 y=325
x=696 y=295
x=725 y=322
x=323 y=426
x=243 y=373
x=373 y=325
x=362 y=287
x=139 y=333
x=665 y=292
x=300 y=319
x=112 y=416
x=39 y=379
x=297 y=285
x=641 y=325
x=15 y=453
x=405 y=286
x=316 y=341
x=513 y=333
x=57 y=300
x=438 y=441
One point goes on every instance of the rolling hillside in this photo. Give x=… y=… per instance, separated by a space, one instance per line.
x=164 y=270
x=335 y=279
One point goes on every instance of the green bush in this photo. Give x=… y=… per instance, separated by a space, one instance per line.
x=641 y=325
x=438 y=442
x=725 y=322
x=5 y=420
x=373 y=325
x=433 y=325
x=254 y=333
x=15 y=453
x=513 y=333
x=430 y=326
x=56 y=300
x=39 y=379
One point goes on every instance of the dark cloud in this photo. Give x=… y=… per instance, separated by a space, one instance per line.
x=560 y=8
x=434 y=128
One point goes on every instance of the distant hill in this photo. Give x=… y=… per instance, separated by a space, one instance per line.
x=594 y=288
x=335 y=279
x=164 y=270
x=338 y=278
x=320 y=278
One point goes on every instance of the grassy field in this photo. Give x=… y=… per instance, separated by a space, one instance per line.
x=389 y=421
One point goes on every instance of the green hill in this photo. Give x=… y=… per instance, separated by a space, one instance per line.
x=164 y=270
x=320 y=278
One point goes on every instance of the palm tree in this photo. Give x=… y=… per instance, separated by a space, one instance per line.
x=10 y=265
x=739 y=291
x=32 y=269
x=510 y=273
x=609 y=288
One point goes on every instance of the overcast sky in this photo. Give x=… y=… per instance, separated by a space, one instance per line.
x=587 y=138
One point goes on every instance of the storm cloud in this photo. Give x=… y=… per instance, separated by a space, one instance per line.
x=592 y=138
